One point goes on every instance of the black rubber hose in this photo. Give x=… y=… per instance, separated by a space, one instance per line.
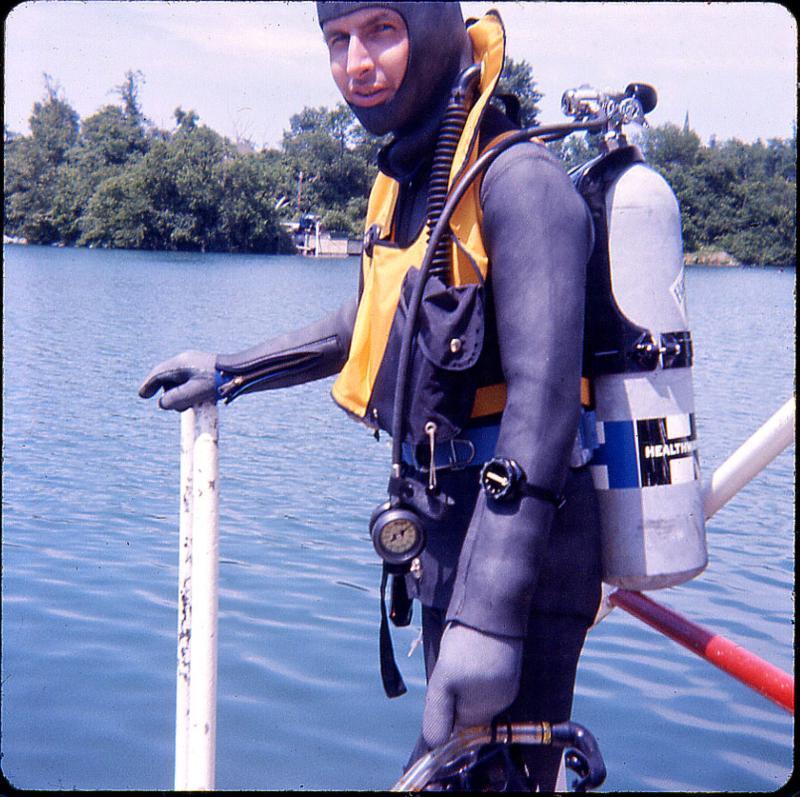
x=450 y=130
x=582 y=754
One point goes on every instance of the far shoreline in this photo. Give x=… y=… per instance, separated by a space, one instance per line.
x=716 y=258
x=704 y=258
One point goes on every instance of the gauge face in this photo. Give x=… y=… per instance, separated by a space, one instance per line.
x=399 y=536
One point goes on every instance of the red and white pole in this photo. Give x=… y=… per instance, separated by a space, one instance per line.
x=746 y=667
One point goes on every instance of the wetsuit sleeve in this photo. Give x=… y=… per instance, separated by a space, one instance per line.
x=310 y=353
x=538 y=234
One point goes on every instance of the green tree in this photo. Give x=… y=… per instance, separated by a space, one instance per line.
x=54 y=124
x=328 y=172
x=30 y=167
x=180 y=187
x=119 y=214
x=672 y=147
x=185 y=120
x=737 y=197
x=760 y=226
x=109 y=141
x=191 y=191
x=128 y=92
x=516 y=78
x=248 y=218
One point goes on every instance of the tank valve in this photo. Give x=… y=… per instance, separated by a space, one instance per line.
x=620 y=107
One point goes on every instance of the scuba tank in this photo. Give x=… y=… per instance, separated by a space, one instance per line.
x=638 y=358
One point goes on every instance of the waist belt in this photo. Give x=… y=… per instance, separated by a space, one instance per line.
x=473 y=446
x=476 y=445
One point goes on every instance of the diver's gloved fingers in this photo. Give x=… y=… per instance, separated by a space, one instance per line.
x=476 y=677
x=166 y=379
x=439 y=715
x=150 y=386
x=193 y=392
x=175 y=371
x=188 y=377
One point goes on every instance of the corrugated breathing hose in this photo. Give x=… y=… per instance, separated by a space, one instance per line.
x=455 y=117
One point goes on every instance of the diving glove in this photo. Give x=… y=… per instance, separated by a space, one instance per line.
x=476 y=677
x=188 y=379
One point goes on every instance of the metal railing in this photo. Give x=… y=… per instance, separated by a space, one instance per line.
x=198 y=569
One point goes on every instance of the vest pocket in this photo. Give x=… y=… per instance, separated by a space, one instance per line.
x=442 y=384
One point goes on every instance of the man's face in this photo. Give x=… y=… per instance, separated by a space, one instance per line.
x=369 y=54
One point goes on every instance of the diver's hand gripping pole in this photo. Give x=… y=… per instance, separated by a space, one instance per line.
x=198 y=568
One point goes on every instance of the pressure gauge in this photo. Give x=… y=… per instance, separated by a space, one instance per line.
x=396 y=534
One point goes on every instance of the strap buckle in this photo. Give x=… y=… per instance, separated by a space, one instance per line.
x=446 y=455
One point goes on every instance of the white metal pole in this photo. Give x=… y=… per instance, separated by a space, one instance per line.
x=198 y=569
x=750 y=459
x=205 y=570
x=184 y=600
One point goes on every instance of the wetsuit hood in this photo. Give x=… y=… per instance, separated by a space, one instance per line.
x=439 y=48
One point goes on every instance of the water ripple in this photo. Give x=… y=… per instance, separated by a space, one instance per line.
x=90 y=502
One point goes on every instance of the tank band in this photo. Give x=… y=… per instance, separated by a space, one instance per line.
x=648 y=452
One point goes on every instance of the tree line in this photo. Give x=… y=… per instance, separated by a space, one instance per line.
x=114 y=179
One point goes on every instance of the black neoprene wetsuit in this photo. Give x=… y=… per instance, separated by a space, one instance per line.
x=524 y=569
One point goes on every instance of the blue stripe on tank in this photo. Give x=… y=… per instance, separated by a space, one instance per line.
x=618 y=454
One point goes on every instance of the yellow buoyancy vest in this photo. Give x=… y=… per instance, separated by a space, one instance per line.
x=385 y=267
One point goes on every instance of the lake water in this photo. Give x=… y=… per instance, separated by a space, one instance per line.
x=90 y=507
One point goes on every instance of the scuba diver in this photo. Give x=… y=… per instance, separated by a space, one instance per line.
x=493 y=487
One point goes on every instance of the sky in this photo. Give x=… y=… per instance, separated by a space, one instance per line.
x=246 y=67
